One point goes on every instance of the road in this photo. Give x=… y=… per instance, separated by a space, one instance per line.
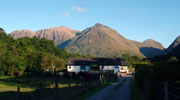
x=115 y=92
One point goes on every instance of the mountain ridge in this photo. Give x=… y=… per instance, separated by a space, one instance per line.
x=57 y=34
x=98 y=40
x=175 y=43
x=116 y=43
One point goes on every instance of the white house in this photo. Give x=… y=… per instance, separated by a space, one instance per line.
x=95 y=64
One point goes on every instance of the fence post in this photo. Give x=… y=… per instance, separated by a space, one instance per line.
x=69 y=83
x=41 y=91
x=56 y=85
x=77 y=84
x=18 y=92
x=146 y=86
x=165 y=91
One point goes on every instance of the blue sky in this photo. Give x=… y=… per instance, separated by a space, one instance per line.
x=134 y=19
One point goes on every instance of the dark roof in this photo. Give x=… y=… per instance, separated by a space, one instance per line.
x=98 y=61
x=124 y=63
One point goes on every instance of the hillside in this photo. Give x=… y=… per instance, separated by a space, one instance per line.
x=98 y=40
x=103 y=41
x=150 y=47
x=174 y=44
x=175 y=52
x=58 y=34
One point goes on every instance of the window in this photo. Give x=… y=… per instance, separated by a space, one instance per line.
x=69 y=67
x=82 y=68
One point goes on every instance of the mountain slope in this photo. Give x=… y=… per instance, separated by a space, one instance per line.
x=174 y=44
x=98 y=40
x=22 y=33
x=58 y=34
x=150 y=47
x=175 y=52
x=101 y=40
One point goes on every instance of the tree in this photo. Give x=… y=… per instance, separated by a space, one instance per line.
x=49 y=61
x=173 y=60
x=2 y=30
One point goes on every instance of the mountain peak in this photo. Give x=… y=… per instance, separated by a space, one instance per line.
x=153 y=43
x=24 y=30
x=149 y=40
x=174 y=44
x=59 y=28
x=63 y=27
x=99 y=25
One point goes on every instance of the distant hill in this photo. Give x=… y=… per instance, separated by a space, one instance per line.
x=103 y=41
x=150 y=47
x=58 y=34
x=173 y=53
x=98 y=40
x=174 y=44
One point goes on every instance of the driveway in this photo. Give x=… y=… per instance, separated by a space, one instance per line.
x=115 y=92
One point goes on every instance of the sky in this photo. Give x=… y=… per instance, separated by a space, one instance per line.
x=134 y=19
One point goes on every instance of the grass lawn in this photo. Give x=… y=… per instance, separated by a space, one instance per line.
x=30 y=89
x=5 y=88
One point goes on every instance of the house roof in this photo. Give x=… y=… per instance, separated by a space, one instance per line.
x=96 y=61
x=124 y=63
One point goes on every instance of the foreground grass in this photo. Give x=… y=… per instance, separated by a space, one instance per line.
x=5 y=88
x=30 y=89
x=136 y=93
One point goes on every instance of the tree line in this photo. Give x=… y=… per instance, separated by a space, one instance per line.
x=30 y=56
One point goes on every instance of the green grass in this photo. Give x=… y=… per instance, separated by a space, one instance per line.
x=4 y=88
x=136 y=93
x=30 y=87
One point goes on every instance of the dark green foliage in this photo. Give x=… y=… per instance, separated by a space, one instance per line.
x=148 y=75
x=141 y=70
x=131 y=59
x=29 y=55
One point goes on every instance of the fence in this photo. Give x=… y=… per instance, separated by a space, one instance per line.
x=161 y=90
x=74 y=87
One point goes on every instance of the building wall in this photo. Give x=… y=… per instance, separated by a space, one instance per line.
x=73 y=68
x=77 y=68
x=115 y=68
x=124 y=69
x=88 y=68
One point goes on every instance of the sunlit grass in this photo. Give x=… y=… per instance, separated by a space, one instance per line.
x=5 y=88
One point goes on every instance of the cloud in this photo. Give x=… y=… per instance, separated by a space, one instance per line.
x=79 y=9
x=65 y=14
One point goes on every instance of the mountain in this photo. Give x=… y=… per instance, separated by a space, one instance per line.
x=175 y=52
x=150 y=47
x=98 y=40
x=22 y=33
x=57 y=34
x=174 y=44
x=103 y=41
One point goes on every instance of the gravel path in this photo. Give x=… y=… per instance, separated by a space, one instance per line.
x=110 y=93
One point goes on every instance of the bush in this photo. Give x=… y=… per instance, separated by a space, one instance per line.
x=2 y=73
